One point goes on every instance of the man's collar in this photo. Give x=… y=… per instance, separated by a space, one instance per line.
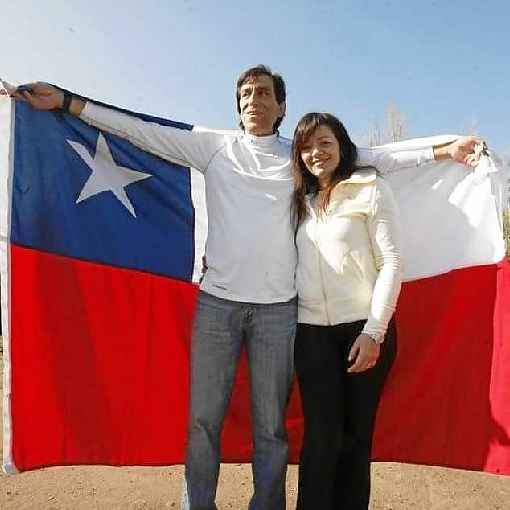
x=261 y=140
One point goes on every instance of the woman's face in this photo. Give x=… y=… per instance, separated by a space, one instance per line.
x=321 y=154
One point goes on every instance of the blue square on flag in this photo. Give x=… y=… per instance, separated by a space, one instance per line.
x=93 y=196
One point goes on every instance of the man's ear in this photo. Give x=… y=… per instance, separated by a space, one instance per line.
x=283 y=109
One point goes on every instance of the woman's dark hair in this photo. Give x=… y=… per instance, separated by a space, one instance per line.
x=304 y=181
x=278 y=86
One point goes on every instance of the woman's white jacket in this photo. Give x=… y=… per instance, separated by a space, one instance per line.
x=349 y=265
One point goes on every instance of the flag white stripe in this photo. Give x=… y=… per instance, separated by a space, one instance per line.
x=450 y=215
x=200 y=234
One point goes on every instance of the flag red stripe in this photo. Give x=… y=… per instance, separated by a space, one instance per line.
x=100 y=375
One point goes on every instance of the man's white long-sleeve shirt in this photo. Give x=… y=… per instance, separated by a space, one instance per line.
x=250 y=251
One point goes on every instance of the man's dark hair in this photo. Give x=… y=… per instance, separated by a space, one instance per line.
x=278 y=85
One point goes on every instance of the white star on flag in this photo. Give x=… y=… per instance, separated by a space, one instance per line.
x=106 y=174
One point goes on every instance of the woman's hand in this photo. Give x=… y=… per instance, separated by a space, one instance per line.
x=364 y=354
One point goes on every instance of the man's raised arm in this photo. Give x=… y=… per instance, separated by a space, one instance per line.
x=182 y=146
x=387 y=159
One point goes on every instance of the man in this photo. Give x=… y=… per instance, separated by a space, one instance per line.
x=247 y=292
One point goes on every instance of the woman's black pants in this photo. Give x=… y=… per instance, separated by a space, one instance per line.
x=339 y=411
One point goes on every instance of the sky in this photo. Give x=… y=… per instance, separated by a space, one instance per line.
x=444 y=64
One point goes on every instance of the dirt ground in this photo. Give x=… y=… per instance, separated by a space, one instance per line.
x=395 y=487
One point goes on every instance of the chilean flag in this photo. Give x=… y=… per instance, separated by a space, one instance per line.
x=101 y=249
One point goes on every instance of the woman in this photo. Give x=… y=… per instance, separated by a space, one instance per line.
x=348 y=280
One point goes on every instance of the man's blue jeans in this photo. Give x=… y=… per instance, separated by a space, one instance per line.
x=220 y=329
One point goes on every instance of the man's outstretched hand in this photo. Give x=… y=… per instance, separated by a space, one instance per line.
x=39 y=95
x=465 y=150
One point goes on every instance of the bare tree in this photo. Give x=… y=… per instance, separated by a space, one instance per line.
x=396 y=124
x=394 y=130
x=375 y=135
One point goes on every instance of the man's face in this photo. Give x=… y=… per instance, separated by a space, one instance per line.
x=258 y=105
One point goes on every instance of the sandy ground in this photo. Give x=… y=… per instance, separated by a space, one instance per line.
x=395 y=487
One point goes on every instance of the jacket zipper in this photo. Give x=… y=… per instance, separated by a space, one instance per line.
x=321 y=271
